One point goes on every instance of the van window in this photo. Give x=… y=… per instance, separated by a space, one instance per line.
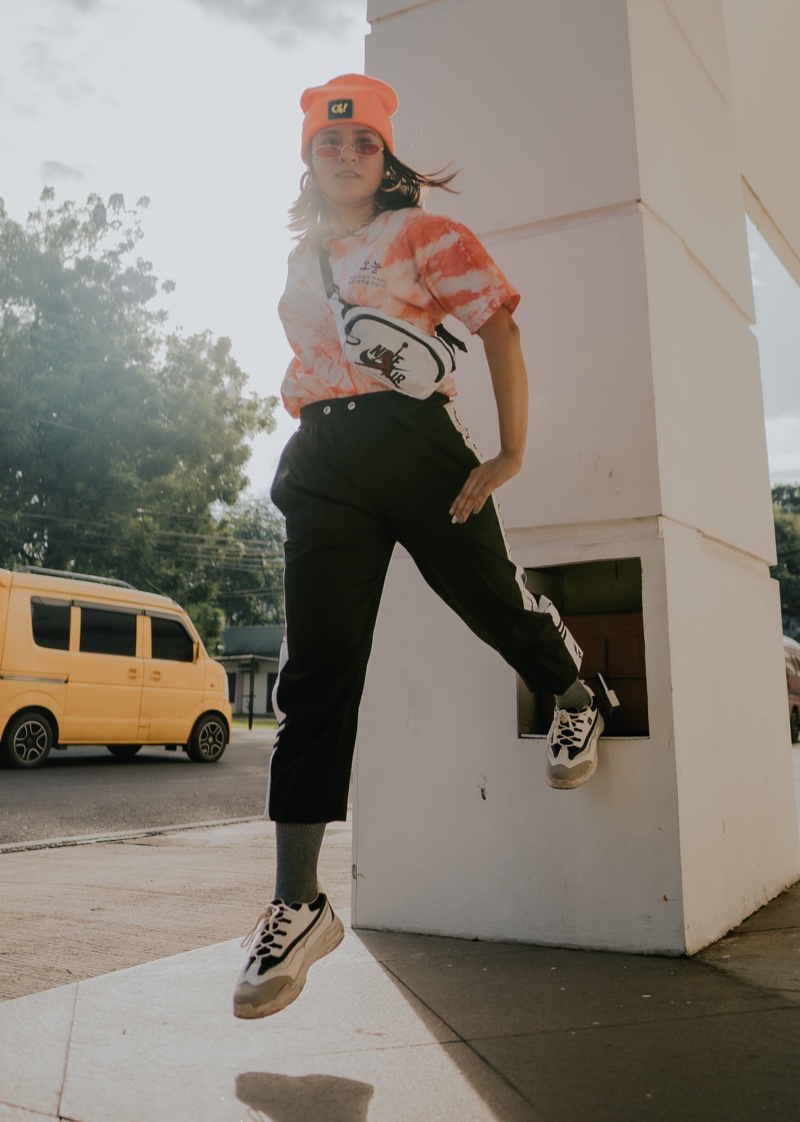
x=106 y=632
x=50 y=620
x=171 y=640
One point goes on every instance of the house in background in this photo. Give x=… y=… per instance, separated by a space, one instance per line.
x=250 y=656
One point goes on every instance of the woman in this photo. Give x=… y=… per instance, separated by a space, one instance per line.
x=369 y=467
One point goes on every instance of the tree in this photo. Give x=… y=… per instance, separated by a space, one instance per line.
x=250 y=581
x=117 y=438
x=786 y=497
x=786 y=508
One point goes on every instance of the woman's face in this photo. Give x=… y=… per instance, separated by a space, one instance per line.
x=347 y=179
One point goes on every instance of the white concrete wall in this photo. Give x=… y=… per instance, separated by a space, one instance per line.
x=738 y=838
x=763 y=43
x=601 y=167
x=598 y=867
x=738 y=832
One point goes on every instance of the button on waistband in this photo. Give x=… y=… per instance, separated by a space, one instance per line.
x=371 y=404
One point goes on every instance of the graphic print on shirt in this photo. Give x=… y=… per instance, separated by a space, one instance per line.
x=368 y=275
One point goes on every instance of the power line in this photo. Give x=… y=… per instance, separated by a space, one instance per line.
x=244 y=547
x=53 y=424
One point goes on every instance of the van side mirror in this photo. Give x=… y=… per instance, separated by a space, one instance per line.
x=195 y=651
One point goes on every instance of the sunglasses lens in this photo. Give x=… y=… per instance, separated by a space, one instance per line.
x=334 y=151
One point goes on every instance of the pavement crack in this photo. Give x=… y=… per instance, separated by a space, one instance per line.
x=67 y=1051
x=482 y=1060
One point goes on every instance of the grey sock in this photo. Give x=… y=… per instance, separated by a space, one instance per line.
x=576 y=697
x=298 y=852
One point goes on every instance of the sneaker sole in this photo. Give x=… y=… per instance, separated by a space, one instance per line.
x=569 y=783
x=328 y=942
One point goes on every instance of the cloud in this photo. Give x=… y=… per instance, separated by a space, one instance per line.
x=51 y=170
x=287 y=22
x=49 y=67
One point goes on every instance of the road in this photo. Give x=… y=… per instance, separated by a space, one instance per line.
x=86 y=791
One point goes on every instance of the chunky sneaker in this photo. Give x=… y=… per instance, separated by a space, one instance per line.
x=285 y=941
x=572 y=746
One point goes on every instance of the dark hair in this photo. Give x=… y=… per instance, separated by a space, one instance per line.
x=309 y=216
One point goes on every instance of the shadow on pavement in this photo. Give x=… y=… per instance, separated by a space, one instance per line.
x=611 y=1037
x=92 y=756
x=303 y=1098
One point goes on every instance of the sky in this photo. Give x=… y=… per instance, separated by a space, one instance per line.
x=195 y=104
x=777 y=328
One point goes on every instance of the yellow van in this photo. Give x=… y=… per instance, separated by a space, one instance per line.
x=87 y=660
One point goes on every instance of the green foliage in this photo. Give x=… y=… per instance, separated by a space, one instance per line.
x=786 y=507
x=786 y=496
x=251 y=575
x=118 y=439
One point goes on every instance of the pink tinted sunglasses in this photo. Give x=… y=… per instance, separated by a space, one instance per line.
x=334 y=151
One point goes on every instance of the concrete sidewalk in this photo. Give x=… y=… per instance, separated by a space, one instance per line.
x=390 y=1028
x=132 y=899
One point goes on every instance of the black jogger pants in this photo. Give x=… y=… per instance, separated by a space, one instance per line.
x=359 y=475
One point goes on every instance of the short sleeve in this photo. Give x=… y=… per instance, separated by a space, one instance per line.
x=458 y=271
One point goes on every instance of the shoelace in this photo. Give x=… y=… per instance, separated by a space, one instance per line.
x=270 y=918
x=565 y=734
x=564 y=719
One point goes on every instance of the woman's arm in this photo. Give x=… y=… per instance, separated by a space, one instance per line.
x=500 y=337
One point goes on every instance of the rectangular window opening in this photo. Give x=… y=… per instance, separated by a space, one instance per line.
x=171 y=640
x=601 y=604
x=50 y=621
x=107 y=632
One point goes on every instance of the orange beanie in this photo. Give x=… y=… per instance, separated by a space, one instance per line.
x=350 y=97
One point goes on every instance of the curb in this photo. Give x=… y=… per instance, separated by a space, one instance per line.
x=121 y=835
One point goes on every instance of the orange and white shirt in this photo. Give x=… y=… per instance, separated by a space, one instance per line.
x=408 y=263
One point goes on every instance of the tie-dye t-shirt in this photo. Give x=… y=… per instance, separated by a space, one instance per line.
x=416 y=266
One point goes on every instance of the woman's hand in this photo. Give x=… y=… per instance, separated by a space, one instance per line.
x=480 y=483
x=500 y=337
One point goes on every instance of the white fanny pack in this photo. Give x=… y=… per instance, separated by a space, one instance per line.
x=390 y=350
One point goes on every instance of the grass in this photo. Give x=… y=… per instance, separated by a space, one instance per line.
x=241 y=721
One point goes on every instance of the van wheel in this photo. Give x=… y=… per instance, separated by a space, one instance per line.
x=123 y=751
x=794 y=724
x=28 y=740
x=208 y=740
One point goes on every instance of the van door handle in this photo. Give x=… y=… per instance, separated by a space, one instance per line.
x=155 y=676
x=133 y=674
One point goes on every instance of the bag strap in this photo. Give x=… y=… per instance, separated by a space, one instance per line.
x=448 y=338
x=332 y=290
x=325 y=268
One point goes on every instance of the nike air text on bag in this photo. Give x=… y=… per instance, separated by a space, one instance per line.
x=390 y=350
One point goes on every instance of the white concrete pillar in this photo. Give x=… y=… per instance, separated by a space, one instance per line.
x=600 y=166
